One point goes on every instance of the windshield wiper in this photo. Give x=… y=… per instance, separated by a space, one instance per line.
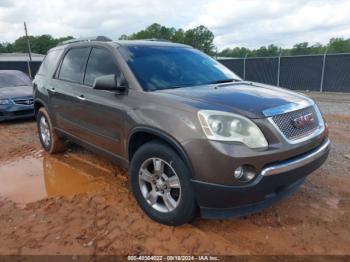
x=176 y=86
x=228 y=80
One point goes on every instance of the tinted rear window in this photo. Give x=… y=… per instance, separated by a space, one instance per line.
x=49 y=62
x=73 y=64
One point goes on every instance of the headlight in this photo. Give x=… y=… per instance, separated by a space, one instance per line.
x=4 y=101
x=223 y=126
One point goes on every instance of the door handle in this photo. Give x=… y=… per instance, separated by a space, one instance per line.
x=81 y=97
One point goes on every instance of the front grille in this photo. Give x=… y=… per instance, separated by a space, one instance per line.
x=285 y=123
x=24 y=101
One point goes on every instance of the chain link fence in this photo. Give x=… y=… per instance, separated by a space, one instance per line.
x=329 y=73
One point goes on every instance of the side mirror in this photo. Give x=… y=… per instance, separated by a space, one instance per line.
x=122 y=84
x=111 y=82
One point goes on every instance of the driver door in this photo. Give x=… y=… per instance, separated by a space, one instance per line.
x=102 y=118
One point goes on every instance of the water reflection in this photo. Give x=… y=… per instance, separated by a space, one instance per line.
x=30 y=179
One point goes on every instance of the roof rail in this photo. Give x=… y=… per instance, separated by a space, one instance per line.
x=157 y=39
x=85 y=39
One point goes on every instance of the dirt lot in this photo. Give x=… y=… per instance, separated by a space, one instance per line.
x=44 y=210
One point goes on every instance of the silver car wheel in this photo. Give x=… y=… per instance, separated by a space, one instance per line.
x=45 y=131
x=159 y=185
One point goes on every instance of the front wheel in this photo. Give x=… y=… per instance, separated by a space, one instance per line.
x=50 y=141
x=160 y=181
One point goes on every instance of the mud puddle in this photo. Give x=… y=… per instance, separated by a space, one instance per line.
x=37 y=177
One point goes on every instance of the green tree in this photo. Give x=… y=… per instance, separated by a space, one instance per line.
x=200 y=37
x=123 y=37
x=238 y=52
x=153 y=31
x=179 y=36
x=339 y=45
x=317 y=49
x=39 y=44
x=300 y=49
x=305 y=49
x=6 y=48
x=263 y=51
x=335 y=45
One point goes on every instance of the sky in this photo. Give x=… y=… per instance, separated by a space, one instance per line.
x=249 y=23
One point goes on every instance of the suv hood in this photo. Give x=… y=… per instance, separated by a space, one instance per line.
x=15 y=91
x=243 y=98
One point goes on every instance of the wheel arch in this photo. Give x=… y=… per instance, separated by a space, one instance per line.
x=38 y=103
x=141 y=135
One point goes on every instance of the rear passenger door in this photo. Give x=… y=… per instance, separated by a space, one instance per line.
x=103 y=117
x=66 y=91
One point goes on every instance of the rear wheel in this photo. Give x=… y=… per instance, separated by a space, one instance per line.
x=160 y=182
x=47 y=135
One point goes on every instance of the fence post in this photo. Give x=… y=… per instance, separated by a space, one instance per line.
x=244 y=66
x=29 y=69
x=29 y=51
x=279 y=68
x=323 y=70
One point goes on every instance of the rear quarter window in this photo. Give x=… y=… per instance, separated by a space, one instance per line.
x=50 y=62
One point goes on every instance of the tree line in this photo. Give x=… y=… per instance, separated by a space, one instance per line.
x=39 y=44
x=335 y=45
x=199 y=37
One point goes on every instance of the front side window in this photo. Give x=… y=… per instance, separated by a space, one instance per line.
x=100 y=63
x=73 y=65
x=49 y=62
x=163 y=67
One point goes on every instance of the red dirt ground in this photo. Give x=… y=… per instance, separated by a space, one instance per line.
x=44 y=210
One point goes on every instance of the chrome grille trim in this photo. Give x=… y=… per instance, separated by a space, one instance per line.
x=284 y=123
x=316 y=131
x=288 y=107
x=23 y=101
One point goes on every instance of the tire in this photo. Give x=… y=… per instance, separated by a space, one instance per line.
x=50 y=140
x=182 y=208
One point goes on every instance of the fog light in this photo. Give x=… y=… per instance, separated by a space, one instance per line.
x=239 y=172
x=244 y=173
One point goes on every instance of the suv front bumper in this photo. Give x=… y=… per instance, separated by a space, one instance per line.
x=275 y=182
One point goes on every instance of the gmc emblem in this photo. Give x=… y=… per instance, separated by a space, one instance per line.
x=302 y=121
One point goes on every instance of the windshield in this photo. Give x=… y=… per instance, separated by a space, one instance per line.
x=159 y=67
x=8 y=79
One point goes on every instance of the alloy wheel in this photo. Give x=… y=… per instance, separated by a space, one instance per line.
x=45 y=131
x=159 y=185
